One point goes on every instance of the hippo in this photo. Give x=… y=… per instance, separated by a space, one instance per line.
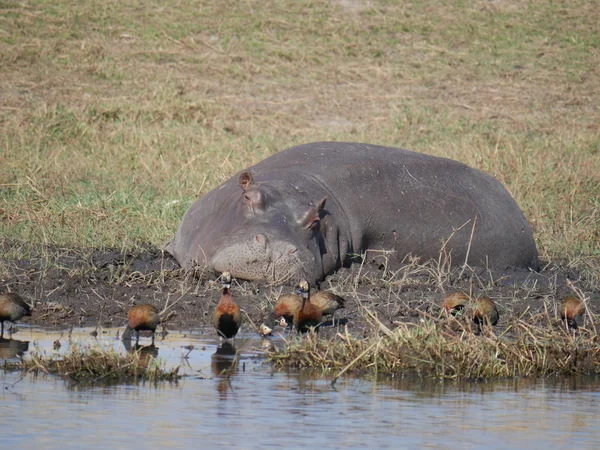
x=307 y=211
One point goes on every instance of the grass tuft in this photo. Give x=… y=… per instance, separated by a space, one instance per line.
x=439 y=349
x=95 y=364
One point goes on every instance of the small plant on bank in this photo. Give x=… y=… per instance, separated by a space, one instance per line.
x=96 y=364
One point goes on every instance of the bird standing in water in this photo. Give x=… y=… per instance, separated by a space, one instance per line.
x=309 y=315
x=227 y=317
x=140 y=318
x=12 y=308
x=287 y=306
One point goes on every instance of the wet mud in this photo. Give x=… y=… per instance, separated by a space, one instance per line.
x=94 y=288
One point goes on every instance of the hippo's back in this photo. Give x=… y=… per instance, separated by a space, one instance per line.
x=412 y=201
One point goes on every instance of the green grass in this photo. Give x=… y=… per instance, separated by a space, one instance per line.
x=114 y=117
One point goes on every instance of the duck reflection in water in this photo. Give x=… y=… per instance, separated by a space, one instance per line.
x=224 y=359
x=145 y=352
x=224 y=364
x=12 y=348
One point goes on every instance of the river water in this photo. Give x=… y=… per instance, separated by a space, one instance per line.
x=257 y=407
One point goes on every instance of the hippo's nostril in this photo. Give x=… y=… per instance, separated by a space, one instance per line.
x=292 y=250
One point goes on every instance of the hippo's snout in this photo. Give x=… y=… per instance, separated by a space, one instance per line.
x=252 y=257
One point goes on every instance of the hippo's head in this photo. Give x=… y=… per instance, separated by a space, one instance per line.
x=271 y=231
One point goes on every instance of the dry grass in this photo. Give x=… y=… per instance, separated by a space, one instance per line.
x=453 y=350
x=404 y=331
x=95 y=364
x=115 y=116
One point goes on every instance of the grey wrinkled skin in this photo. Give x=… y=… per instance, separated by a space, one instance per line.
x=311 y=209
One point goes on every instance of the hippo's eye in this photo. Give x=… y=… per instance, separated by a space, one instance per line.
x=314 y=224
x=254 y=199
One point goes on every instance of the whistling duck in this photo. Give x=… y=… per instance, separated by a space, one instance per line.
x=140 y=318
x=227 y=317
x=572 y=310
x=12 y=308
x=309 y=315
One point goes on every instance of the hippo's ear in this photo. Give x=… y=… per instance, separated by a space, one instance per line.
x=311 y=219
x=321 y=204
x=245 y=180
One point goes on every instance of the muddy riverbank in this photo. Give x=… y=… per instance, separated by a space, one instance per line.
x=95 y=288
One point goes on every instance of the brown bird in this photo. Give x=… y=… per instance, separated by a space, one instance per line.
x=140 y=318
x=454 y=303
x=327 y=302
x=572 y=310
x=483 y=308
x=287 y=306
x=227 y=317
x=485 y=311
x=308 y=315
x=12 y=308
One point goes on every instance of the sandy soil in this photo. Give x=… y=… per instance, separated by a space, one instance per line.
x=73 y=287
